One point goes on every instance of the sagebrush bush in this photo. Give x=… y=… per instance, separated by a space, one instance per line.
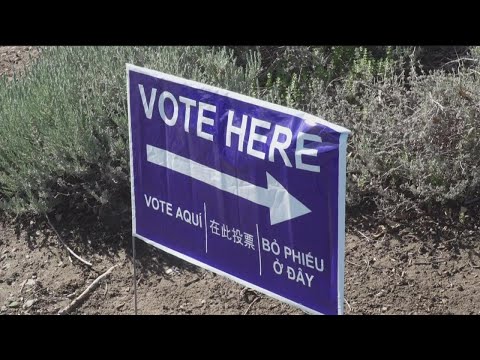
x=63 y=126
x=291 y=72
x=415 y=137
x=415 y=134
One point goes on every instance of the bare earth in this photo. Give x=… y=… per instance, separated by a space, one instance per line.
x=14 y=59
x=389 y=269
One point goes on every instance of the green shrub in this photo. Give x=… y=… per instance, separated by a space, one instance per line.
x=415 y=134
x=63 y=126
x=415 y=137
x=290 y=72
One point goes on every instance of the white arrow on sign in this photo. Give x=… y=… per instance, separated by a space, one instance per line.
x=282 y=205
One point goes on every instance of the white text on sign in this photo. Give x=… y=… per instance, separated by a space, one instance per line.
x=277 y=141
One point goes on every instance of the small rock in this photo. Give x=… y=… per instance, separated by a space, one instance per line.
x=30 y=282
x=169 y=271
x=384 y=308
x=460 y=288
x=120 y=306
x=29 y=303
x=60 y=264
x=14 y=250
x=14 y=304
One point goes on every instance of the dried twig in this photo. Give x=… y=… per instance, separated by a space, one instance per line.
x=23 y=285
x=34 y=293
x=459 y=60
x=191 y=282
x=349 y=307
x=431 y=262
x=350 y=262
x=366 y=270
x=66 y=246
x=384 y=91
x=473 y=266
x=331 y=82
x=87 y=291
x=436 y=102
x=253 y=302
x=365 y=236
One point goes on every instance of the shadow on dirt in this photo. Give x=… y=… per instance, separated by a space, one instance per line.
x=109 y=236
x=453 y=227
x=92 y=236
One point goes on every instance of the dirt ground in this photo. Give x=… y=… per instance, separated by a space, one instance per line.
x=385 y=274
x=390 y=269
x=14 y=59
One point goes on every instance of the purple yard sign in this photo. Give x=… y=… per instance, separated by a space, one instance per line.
x=248 y=189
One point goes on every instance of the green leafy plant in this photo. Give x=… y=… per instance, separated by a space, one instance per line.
x=63 y=126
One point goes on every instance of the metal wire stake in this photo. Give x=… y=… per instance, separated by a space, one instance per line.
x=134 y=273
